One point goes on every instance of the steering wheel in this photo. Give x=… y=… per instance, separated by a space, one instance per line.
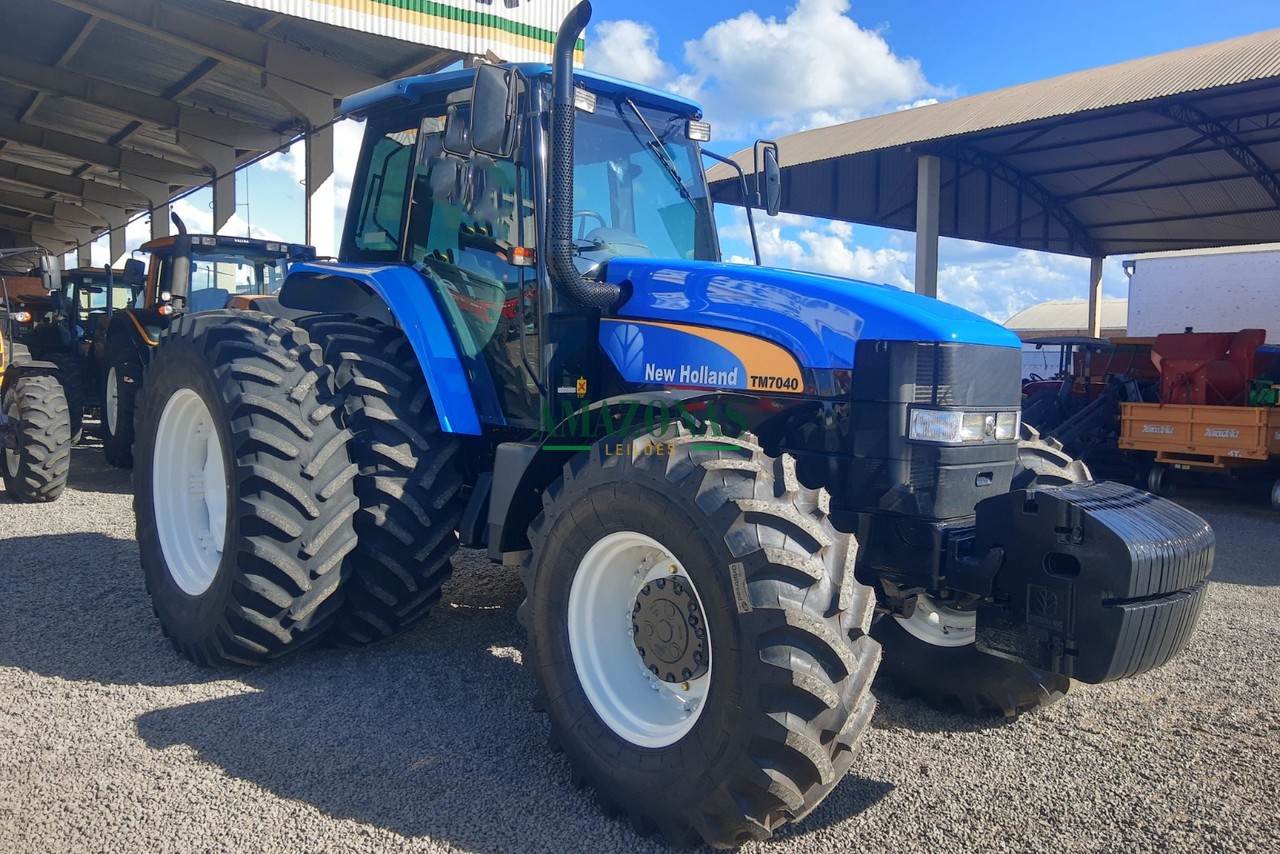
x=582 y=217
x=1036 y=378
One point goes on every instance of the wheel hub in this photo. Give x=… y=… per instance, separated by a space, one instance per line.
x=669 y=631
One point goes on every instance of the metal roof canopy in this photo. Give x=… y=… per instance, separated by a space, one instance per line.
x=1174 y=151
x=110 y=107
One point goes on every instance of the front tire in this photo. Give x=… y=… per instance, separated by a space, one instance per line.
x=723 y=736
x=122 y=381
x=408 y=483
x=243 y=490
x=36 y=471
x=932 y=653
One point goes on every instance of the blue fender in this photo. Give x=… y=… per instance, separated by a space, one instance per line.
x=411 y=303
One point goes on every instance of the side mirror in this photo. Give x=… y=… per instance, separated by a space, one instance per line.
x=768 y=179
x=134 y=273
x=493 y=110
x=51 y=272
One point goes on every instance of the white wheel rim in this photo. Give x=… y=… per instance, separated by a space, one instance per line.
x=939 y=625
x=631 y=701
x=113 y=400
x=189 y=492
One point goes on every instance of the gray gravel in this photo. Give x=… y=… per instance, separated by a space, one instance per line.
x=110 y=742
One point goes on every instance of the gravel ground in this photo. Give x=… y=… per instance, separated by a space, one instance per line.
x=110 y=742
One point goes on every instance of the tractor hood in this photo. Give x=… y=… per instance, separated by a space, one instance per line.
x=817 y=319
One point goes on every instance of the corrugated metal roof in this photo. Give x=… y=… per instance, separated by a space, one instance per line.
x=1174 y=151
x=1195 y=69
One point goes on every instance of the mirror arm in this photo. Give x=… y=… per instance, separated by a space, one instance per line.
x=746 y=200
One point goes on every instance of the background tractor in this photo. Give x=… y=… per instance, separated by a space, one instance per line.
x=187 y=273
x=35 y=422
x=72 y=332
x=711 y=477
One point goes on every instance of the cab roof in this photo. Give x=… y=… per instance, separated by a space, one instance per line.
x=413 y=90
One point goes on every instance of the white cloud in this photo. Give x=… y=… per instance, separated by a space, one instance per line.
x=347 y=135
x=627 y=49
x=819 y=246
x=815 y=67
x=993 y=281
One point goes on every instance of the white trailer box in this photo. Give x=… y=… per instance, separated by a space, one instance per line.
x=1210 y=290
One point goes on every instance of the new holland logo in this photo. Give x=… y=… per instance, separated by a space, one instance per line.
x=1160 y=429
x=1221 y=433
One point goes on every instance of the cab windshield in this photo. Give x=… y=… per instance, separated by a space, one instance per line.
x=638 y=188
x=236 y=271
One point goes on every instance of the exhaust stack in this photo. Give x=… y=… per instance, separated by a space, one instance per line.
x=564 y=274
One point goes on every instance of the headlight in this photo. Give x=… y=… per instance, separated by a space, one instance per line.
x=952 y=426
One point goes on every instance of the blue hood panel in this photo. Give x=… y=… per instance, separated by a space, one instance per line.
x=818 y=318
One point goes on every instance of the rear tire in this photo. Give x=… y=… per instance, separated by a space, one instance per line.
x=768 y=730
x=121 y=385
x=408 y=484
x=243 y=490
x=37 y=471
x=70 y=374
x=960 y=676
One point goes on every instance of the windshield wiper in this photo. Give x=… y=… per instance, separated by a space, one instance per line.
x=660 y=152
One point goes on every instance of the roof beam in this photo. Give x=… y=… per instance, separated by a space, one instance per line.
x=42 y=180
x=26 y=204
x=227 y=42
x=1207 y=128
x=1031 y=189
x=1200 y=146
x=97 y=153
x=148 y=108
x=1158 y=220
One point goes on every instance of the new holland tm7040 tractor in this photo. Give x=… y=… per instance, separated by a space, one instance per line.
x=726 y=487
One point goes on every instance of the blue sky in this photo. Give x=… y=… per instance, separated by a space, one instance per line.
x=774 y=66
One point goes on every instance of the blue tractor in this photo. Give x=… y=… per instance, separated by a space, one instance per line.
x=726 y=488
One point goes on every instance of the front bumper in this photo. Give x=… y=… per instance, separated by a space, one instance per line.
x=1096 y=581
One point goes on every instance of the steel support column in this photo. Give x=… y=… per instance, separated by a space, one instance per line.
x=1095 y=297
x=928 y=195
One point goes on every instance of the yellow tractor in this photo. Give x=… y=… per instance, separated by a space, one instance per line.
x=35 y=421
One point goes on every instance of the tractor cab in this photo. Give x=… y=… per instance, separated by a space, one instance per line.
x=80 y=311
x=199 y=272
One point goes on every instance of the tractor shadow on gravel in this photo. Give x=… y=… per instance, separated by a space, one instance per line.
x=90 y=471
x=73 y=606
x=429 y=735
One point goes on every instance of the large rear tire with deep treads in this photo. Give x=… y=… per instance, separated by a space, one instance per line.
x=120 y=391
x=932 y=654
x=36 y=471
x=408 y=482
x=697 y=636
x=243 y=490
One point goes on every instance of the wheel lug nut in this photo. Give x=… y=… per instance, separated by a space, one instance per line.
x=661 y=582
x=653 y=668
x=685 y=674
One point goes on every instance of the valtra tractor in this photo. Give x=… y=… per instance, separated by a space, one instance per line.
x=726 y=488
x=186 y=273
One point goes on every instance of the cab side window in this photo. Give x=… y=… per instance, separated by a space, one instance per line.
x=379 y=223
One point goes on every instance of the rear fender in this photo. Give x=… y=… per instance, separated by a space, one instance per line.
x=393 y=294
